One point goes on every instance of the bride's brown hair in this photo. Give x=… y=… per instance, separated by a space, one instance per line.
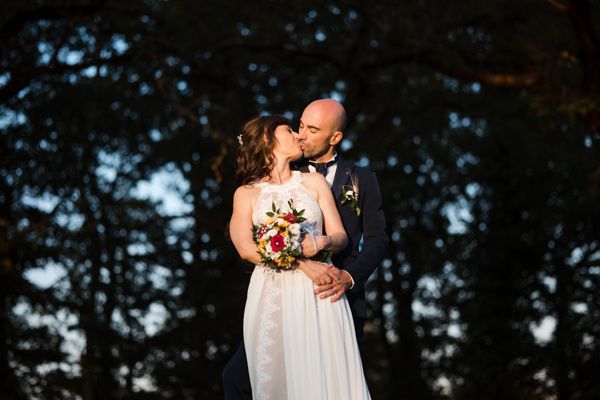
x=254 y=159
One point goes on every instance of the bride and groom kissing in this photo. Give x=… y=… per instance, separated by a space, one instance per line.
x=302 y=324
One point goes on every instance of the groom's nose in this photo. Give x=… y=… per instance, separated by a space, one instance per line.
x=300 y=135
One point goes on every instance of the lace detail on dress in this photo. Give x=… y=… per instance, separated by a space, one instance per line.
x=280 y=194
x=269 y=336
x=295 y=179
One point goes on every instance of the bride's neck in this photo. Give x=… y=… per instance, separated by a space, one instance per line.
x=281 y=173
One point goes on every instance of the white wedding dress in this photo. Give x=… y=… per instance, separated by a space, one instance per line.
x=298 y=346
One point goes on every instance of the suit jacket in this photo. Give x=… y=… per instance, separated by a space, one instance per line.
x=360 y=257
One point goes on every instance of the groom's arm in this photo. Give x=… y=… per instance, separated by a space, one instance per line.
x=375 y=239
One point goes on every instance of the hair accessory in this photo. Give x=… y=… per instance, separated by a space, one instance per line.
x=240 y=140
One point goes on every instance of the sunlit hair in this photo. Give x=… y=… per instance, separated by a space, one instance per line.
x=254 y=159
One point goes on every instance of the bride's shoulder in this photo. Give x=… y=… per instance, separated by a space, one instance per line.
x=312 y=177
x=246 y=191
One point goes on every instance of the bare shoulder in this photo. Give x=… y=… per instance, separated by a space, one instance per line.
x=246 y=192
x=315 y=182
x=314 y=179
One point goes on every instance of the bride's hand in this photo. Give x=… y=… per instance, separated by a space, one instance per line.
x=311 y=247
x=308 y=246
x=315 y=271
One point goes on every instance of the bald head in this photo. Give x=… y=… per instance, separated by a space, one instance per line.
x=331 y=111
x=321 y=129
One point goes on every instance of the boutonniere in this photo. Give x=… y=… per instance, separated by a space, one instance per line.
x=350 y=195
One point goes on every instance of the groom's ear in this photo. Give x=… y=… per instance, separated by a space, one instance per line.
x=336 y=138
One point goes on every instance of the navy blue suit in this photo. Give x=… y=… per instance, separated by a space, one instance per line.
x=359 y=261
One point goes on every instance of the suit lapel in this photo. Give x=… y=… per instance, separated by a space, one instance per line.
x=342 y=176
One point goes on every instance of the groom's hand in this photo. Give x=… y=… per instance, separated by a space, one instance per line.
x=341 y=281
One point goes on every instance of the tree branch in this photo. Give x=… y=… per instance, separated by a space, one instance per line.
x=557 y=6
x=513 y=79
x=20 y=80
x=287 y=48
x=585 y=30
x=19 y=20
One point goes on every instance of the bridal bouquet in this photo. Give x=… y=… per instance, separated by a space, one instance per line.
x=278 y=238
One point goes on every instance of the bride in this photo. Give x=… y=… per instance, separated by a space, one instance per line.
x=298 y=346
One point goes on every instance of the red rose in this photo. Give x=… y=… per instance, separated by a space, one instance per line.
x=289 y=217
x=277 y=243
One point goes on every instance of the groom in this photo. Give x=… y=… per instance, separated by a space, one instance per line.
x=359 y=203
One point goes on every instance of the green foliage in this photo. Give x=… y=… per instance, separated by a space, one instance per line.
x=480 y=119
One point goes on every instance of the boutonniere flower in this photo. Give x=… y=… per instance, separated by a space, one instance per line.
x=350 y=195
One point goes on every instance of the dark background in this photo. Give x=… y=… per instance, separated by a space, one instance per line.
x=481 y=120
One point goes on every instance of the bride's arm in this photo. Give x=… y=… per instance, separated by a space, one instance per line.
x=335 y=238
x=240 y=225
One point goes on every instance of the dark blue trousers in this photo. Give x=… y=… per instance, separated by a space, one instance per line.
x=236 y=380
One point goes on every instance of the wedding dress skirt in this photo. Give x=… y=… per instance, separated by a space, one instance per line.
x=298 y=346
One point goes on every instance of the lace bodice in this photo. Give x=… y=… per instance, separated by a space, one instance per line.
x=280 y=194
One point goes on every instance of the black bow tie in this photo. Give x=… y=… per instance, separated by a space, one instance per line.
x=322 y=167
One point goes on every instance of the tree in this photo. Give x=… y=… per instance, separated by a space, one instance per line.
x=480 y=120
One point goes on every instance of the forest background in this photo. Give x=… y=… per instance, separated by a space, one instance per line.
x=117 y=134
